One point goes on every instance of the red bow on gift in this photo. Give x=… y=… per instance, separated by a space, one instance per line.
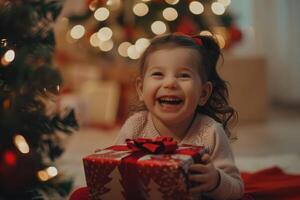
x=157 y=145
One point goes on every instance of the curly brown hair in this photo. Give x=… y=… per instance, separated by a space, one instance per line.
x=217 y=106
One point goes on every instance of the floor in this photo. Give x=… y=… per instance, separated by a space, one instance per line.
x=259 y=145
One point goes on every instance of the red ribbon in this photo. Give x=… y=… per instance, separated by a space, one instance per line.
x=158 y=145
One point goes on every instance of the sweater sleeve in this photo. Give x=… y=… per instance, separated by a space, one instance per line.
x=231 y=185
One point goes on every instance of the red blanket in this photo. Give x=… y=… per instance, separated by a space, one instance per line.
x=272 y=183
x=267 y=184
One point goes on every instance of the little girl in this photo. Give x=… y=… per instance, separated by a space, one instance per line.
x=186 y=99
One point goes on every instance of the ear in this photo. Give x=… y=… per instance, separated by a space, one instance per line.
x=205 y=93
x=139 y=88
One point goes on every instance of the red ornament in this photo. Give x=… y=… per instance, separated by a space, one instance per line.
x=187 y=26
x=10 y=158
x=235 y=34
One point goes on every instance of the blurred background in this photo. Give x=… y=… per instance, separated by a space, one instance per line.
x=73 y=63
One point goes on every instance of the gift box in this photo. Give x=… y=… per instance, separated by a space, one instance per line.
x=141 y=169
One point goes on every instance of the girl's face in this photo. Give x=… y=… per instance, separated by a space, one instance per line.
x=171 y=87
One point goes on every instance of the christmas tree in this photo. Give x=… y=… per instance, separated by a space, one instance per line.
x=125 y=27
x=31 y=128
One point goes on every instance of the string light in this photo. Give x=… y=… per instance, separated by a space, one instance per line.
x=113 y=4
x=43 y=175
x=133 y=52
x=9 y=56
x=217 y=8
x=170 y=14
x=158 y=27
x=104 y=34
x=172 y=2
x=106 y=45
x=52 y=171
x=141 y=45
x=140 y=9
x=225 y=2
x=196 y=7
x=122 y=49
x=21 y=143
x=46 y=174
x=101 y=14
x=94 y=40
x=77 y=32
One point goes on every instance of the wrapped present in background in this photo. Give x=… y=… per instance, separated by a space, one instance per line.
x=142 y=169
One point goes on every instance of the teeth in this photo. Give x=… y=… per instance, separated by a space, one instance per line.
x=168 y=100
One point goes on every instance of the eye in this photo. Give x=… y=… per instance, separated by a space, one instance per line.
x=184 y=75
x=156 y=74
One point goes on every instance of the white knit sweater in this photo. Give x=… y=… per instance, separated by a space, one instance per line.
x=204 y=131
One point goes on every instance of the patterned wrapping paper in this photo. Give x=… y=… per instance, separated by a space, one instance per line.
x=120 y=172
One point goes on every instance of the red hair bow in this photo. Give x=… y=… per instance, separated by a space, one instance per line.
x=198 y=41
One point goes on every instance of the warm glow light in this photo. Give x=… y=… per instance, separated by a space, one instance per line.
x=140 y=9
x=43 y=175
x=57 y=88
x=170 y=14
x=221 y=40
x=141 y=45
x=94 y=40
x=101 y=14
x=196 y=7
x=77 y=32
x=123 y=48
x=225 y=2
x=106 y=45
x=158 y=27
x=6 y=104
x=217 y=8
x=104 y=34
x=205 y=32
x=21 y=144
x=3 y=42
x=52 y=171
x=113 y=4
x=9 y=158
x=133 y=52
x=172 y=2
x=9 y=55
x=93 y=5
x=146 y=0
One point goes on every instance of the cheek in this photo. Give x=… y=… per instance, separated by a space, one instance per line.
x=149 y=88
x=193 y=91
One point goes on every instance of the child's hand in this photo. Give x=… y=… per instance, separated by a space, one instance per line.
x=204 y=176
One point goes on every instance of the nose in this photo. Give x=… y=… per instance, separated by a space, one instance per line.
x=170 y=82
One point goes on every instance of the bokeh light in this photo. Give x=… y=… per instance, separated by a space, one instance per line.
x=196 y=7
x=101 y=14
x=123 y=47
x=158 y=27
x=217 y=8
x=77 y=32
x=170 y=14
x=21 y=143
x=140 y=9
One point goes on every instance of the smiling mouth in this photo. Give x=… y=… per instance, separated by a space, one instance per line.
x=170 y=100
